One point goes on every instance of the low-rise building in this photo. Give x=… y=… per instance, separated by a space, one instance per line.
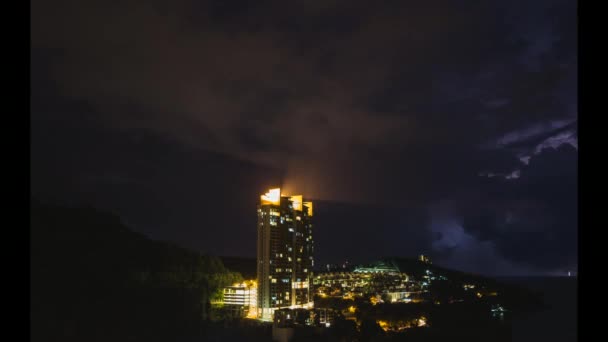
x=240 y=300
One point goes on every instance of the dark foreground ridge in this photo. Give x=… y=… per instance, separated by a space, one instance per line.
x=93 y=279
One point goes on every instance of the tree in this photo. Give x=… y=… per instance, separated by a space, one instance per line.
x=370 y=329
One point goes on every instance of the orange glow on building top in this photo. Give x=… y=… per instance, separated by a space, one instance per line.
x=273 y=196
x=297 y=202
x=309 y=206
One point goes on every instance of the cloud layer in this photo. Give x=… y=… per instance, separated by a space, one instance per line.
x=393 y=104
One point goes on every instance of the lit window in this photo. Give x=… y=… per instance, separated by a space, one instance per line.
x=273 y=280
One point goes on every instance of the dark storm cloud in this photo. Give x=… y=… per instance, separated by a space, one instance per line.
x=400 y=103
x=360 y=233
x=165 y=189
x=531 y=220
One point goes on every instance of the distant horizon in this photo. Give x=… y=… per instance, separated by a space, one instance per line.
x=547 y=275
x=356 y=260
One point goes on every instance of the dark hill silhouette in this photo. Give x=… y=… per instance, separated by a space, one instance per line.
x=245 y=266
x=94 y=279
x=516 y=297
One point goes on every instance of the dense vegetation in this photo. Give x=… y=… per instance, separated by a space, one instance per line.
x=92 y=279
x=245 y=266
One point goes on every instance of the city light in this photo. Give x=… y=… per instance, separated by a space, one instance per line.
x=383 y=324
x=422 y=321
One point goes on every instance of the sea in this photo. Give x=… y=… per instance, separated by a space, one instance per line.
x=557 y=323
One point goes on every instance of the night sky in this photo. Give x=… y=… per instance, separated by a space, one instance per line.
x=440 y=127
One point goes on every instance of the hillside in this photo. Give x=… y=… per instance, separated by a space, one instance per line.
x=245 y=266
x=515 y=296
x=94 y=279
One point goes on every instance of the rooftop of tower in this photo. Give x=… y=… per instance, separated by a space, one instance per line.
x=273 y=197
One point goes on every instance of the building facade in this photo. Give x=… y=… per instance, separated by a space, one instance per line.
x=284 y=253
x=240 y=300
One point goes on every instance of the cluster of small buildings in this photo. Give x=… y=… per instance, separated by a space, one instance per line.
x=378 y=282
x=349 y=285
x=317 y=317
x=399 y=325
x=381 y=281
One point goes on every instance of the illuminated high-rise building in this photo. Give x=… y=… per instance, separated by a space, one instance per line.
x=285 y=253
